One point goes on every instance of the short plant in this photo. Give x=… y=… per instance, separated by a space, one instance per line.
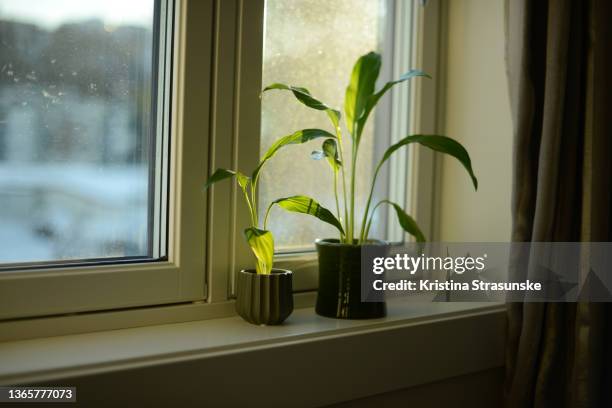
x=359 y=102
x=260 y=240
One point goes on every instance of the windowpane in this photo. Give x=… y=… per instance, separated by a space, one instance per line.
x=313 y=44
x=77 y=129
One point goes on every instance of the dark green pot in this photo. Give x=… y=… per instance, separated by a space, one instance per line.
x=264 y=299
x=339 y=293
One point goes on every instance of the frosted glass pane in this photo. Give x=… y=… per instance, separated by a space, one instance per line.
x=75 y=129
x=313 y=44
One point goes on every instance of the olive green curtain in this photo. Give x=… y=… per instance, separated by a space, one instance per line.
x=559 y=66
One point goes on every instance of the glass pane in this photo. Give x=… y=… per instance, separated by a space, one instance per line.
x=313 y=44
x=76 y=135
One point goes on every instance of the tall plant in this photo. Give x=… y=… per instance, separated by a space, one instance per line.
x=360 y=100
x=259 y=238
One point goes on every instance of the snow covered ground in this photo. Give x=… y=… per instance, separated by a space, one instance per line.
x=65 y=211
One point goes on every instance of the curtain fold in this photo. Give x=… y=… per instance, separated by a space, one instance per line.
x=559 y=62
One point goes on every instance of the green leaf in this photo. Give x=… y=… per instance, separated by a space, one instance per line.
x=361 y=87
x=218 y=175
x=330 y=152
x=222 y=174
x=438 y=143
x=301 y=136
x=374 y=98
x=243 y=181
x=262 y=245
x=303 y=95
x=407 y=223
x=307 y=205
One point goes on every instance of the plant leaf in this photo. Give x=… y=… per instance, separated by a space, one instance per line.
x=218 y=175
x=330 y=148
x=243 y=181
x=330 y=152
x=438 y=143
x=262 y=245
x=407 y=223
x=222 y=174
x=303 y=95
x=307 y=205
x=361 y=87
x=301 y=136
x=374 y=98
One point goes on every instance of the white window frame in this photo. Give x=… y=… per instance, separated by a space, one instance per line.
x=215 y=99
x=71 y=289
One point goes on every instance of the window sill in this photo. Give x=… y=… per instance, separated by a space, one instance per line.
x=440 y=339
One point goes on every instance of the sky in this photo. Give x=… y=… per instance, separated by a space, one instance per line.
x=51 y=13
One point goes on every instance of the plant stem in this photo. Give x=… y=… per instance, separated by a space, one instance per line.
x=336 y=197
x=345 y=201
x=265 y=223
x=352 y=214
x=248 y=201
x=369 y=224
x=367 y=209
x=254 y=209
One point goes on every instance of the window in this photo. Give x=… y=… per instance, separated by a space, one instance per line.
x=112 y=115
x=314 y=44
x=99 y=175
x=80 y=155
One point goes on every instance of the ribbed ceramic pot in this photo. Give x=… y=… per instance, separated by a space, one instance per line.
x=264 y=299
x=339 y=292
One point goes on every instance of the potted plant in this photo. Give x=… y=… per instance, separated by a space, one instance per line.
x=264 y=294
x=339 y=292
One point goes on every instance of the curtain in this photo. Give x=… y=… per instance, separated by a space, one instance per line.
x=558 y=55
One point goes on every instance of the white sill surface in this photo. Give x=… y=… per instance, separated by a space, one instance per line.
x=54 y=358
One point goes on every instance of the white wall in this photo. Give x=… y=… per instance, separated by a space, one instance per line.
x=477 y=113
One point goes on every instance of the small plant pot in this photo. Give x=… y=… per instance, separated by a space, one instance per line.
x=339 y=292
x=264 y=299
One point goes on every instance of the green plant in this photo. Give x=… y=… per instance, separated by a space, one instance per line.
x=260 y=240
x=360 y=100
